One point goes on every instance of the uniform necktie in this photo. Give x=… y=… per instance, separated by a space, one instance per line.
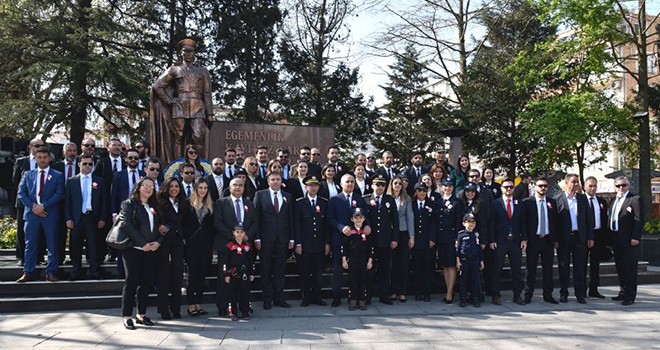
x=378 y=201
x=85 y=194
x=237 y=207
x=313 y=203
x=276 y=203
x=114 y=166
x=593 y=208
x=42 y=183
x=231 y=172
x=187 y=190
x=348 y=198
x=389 y=173
x=143 y=162
x=421 y=206
x=543 y=225
x=509 y=211
x=418 y=173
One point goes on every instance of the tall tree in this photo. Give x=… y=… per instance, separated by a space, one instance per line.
x=246 y=38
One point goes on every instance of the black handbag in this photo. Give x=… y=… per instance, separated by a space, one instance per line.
x=117 y=237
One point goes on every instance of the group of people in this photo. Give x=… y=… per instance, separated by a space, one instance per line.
x=377 y=222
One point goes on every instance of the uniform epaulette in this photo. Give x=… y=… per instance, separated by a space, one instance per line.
x=301 y=198
x=325 y=199
x=365 y=196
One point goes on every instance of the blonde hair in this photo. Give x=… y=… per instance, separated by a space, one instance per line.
x=198 y=202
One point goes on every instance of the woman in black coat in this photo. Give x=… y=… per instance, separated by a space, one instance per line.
x=295 y=184
x=174 y=208
x=142 y=221
x=199 y=245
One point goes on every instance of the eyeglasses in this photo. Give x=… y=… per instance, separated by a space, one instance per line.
x=86 y=163
x=542 y=186
x=305 y=154
x=154 y=169
x=507 y=187
x=621 y=185
x=253 y=164
x=396 y=184
x=192 y=152
x=189 y=172
x=316 y=154
x=371 y=157
x=90 y=145
x=147 y=186
x=133 y=158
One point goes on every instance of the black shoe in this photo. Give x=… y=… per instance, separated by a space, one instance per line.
x=418 y=297
x=477 y=304
x=528 y=299
x=221 y=313
x=618 y=298
x=497 y=300
x=336 y=302
x=176 y=315
x=581 y=300
x=462 y=303
x=518 y=300
x=321 y=303
x=563 y=299
x=282 y=303
x=195 y=313
x=596 y=294
x=268 y=305
x=304 y=303
x=427 y=298
x=368 y=301
x=144 y=321
x=386 y=301
x=550 y=300
x=627 y=302
x=128 y=323
x=165 y=316
x=447 y=301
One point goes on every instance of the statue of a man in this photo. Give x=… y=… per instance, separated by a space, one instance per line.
x=181 y=106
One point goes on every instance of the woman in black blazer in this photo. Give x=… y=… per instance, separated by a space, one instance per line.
x=142 y=222
x=174 y=208
x=328 y=186
x=199 y=245
x=295 y=185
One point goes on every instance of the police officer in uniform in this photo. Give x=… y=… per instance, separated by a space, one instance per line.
x=422 y=223
x=384 y=219
x=312 y=236
x=469 y=259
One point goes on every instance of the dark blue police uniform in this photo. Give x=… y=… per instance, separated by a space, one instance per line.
x=468 y=250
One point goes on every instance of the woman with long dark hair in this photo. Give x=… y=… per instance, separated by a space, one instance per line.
x=199 y=245
x=401 y=254
x=460 y=175
x=295 y=184
x=191 y=156
x=139 y=213
x=328 y=186
x=174 y=208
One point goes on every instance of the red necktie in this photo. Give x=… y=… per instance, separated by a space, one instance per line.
x=42 y=183
x=276 y=203
x=69 y=172
x=509 y=212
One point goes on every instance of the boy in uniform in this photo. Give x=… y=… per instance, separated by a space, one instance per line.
x=469 y=259
x=239 y=272
x=357 y=254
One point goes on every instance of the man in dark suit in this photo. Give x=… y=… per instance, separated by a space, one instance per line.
x=124 y=181
x=283 y=158
x=422 y=224
x=371 y=166
x=507 y=237
x=576 y=234
x=384 y=219
x=22 y=165
x=441 y=160
x=522 y=191
x=598 y=210
x=85 y=212
x=88 y=147
x=340 y=167
x=152 y=170
x=340 y=210
x=313 y=169
x=228 y=212
x=69 y=167
x=415 y=171
x=387 y=170
x=262 y=158
x=230 y=160
x=626 y=221
x=217 y=181
x=41 y=191
x=108 y=166
x=273 y=238
x=312 y=236
x=540 y=215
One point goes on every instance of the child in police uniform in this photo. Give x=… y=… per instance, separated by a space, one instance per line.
x=357 y=254
x=238 y=265
x=469 y=259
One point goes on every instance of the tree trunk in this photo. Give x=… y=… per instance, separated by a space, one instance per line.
x=644 y=129
x=80 y=73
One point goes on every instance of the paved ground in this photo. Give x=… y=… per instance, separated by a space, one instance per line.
x=601 y=324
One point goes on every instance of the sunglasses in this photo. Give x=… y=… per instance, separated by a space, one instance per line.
x=473 y=176
x=86 y=163
x=305 y=154
x=507 y=187
x=192 y=152
x=37 y=145
x=380 y=184
x=421 y=190
x=133 y=158
x=371 y=157
x=621 y=185
x=91 y=145
x=542 y=186
x=189 y=172
x=253 y=164
x=284 y=156
x=154 y=169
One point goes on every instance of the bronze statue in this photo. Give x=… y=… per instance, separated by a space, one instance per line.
x=181 y=108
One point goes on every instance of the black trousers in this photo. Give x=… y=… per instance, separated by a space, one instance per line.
x=310 y=267
x=170 y=277
x=577 y=252
x=84 y=235
x=139 y=266
x=626 y=258
x=400 y=265
x=379 y=276
x=239 y=295
x=510 y=248
x=488 y=271
x=221 y=287
x=595 y=257
x=272 y=258
x=198 y=261
x=423 y=265
x=357 y=278
x=543 y=248
x=469 y=274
